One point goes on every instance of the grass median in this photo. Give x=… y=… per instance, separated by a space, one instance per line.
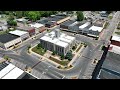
x=64 y=63
x=39 y=50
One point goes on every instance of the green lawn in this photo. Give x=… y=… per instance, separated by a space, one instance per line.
x=117 y=33
x=40 y=51
x=64 y=63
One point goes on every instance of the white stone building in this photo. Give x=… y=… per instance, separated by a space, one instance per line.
x=57 y=41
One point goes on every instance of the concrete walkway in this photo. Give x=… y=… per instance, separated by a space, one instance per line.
x=42 y=58
x=77 y=54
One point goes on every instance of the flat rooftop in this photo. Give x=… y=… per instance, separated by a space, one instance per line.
x=116 y=38
x=24 y=28
x=18 y=32
x=67 y=23
x=99 y=23
x=84 y=25
x=108 y=74
x=62 y=41
x=10 y=71
x=43 y=21
x=96 y=28
x=4 y=38
x=114 y=48
x=57 y=17
x=36 y=25
x=111 y=66
x=21 y=20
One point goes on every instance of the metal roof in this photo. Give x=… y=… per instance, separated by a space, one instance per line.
x=111 y=66
x=67 y=23
x=18 y=32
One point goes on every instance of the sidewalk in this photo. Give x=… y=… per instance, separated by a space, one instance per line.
x=77 y=54
x=44 y=58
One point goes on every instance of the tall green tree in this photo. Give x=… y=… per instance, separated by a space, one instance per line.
x=11 y=21
x=69 y=55
x=19 y=14
x=80 y=16
x=33 y=15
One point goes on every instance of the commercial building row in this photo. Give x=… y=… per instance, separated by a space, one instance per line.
x=9 y=41
x=54 y=20
x=88 y=28
x=111 y=65
x=13 y=39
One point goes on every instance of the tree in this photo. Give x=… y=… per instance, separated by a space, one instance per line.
x=53 y=53
x=39 y=46
x=69 y=55
x=80 y=16
x=62 y=57
x=19 y=14
x=74 y=47
x=108 y=12
x=6 y=57
x=11 y=20
x=33 y=15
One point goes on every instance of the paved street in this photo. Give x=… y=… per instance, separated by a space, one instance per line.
x=45 y=70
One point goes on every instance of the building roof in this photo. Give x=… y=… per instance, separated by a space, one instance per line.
x=36 y=25
x=3 y=64
x=57 y=17
x=116 y=38
x=26 y=28
x=67 y=23
x=18 y=32
x=111 y=66
x=69 y=37
x=49 y=39
x=6 y=70
x=14 y=73
x=43 y=21
x=112 y=61
x=115 y=49
x=65 y=40
x=62 y=41
x=50 y=22
x=84 y=25
x=96 y=28
x=7 y=37
x=108 y=74
x=21 y=20
x=99 y=23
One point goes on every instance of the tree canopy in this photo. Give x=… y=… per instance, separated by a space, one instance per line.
x=69 y=55
x=11 y=21
x=80 y=16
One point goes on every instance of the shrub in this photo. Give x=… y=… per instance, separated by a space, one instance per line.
x=53 y=53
